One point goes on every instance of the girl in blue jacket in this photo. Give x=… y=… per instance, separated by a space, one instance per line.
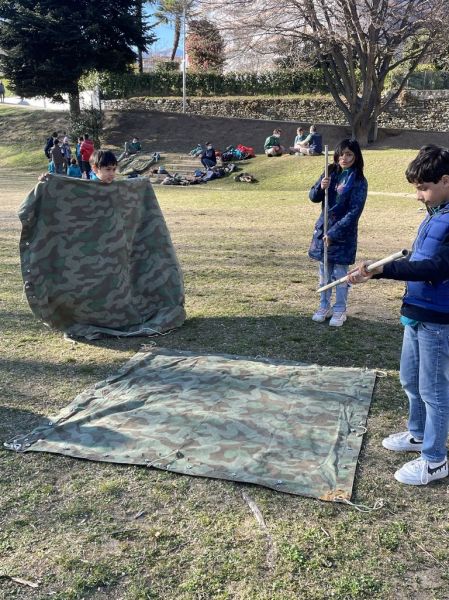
x=347 y=191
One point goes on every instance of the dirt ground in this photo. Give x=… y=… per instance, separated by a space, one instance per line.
x=174 y=132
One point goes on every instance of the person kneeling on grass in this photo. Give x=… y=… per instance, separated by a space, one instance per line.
x=208 y=157
x=424 y=367
x=272 y=146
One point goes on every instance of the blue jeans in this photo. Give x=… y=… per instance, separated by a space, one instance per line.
x=341 y=291
x=208 y=163
x=424 y=377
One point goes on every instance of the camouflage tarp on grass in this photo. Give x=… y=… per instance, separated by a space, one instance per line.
x=136 y=163
x=290 y=427
x=98 y=260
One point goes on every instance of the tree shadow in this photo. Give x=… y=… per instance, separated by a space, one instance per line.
x=359 y=343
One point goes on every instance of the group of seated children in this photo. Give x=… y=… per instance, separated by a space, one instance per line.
x=311 y=144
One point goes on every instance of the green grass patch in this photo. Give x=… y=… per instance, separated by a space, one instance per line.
x=82 y=529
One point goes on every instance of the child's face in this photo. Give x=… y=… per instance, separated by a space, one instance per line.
x=433 y=194
x=346 y=159
x=105 y=174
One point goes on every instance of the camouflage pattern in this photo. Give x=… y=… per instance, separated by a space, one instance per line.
x=136 y=163
x=290 y=427
x=97 y=259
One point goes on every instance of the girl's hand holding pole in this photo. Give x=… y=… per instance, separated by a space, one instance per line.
x=325 y=183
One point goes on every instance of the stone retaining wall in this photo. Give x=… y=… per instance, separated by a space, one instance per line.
x=425 y=110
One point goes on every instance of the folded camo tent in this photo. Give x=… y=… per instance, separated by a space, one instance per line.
x=98 y=260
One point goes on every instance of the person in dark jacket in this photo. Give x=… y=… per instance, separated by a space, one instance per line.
x=312 y=144
x=49 y=144
x=208 y=158
x=347 y=191
x=424 y=369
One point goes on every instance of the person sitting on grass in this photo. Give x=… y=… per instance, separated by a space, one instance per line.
x=424 y=366
x=104 y=166
x=73 y=169
x=272 y=146
x=313 y=144
x=300 y=137
x=208 y=158
x=133 y=147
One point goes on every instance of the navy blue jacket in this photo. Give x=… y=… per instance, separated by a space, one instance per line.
x=343 y=217
x=209 y=154
x=426 y=271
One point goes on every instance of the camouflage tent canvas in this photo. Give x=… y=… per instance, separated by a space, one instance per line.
x=291 y=427
x=98 y=259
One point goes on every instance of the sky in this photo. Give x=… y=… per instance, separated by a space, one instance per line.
x=165 y=34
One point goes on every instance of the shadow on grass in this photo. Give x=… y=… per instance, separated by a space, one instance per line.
x=13 y=418
x=359 y=343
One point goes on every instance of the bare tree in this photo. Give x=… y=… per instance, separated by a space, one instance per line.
x=356 y=42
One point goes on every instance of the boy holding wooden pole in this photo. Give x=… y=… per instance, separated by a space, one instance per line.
x=424 y=368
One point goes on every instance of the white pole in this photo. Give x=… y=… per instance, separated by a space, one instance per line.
x=184 y=60
x=326 y=212
x=371 y=267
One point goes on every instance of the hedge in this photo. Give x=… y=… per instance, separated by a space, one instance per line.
x=281 y=82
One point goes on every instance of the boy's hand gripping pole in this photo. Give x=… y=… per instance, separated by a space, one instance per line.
x=371 y=267
x=325 y=213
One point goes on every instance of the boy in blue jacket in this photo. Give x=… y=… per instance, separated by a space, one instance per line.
x=424 y=368
x=347 y=191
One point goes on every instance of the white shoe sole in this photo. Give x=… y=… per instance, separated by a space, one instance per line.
x=404 y=448
x=403 y=478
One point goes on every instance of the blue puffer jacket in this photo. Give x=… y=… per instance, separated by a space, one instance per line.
x=343 y=217
x=431 y=234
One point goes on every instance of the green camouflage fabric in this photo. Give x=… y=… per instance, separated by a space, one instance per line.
x=136 y=163
x=290 y=427
x=97 y=259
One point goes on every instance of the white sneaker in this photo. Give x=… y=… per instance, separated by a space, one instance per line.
x=322 y=314
x=338 y=318
x=402 y=442
x=421 y=472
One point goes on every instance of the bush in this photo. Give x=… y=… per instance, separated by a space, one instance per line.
x=90 y=120
x=425 y=77
x=169 y=83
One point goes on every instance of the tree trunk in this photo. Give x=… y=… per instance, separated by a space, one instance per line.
x=364 y=129
x=176 y=38
x=139 y=16
x=74 y=104
x=140 y=60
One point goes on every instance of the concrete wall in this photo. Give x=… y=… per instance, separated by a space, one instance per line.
x=421 y=110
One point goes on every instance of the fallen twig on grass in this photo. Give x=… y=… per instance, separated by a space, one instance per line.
x=20 y=580
x=272 y=551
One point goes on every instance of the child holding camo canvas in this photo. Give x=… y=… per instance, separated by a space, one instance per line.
x=424 y=367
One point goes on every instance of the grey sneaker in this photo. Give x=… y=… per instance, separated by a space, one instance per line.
x=338 y=318
x=322 y=314
x=402 y=442
x=421 y=472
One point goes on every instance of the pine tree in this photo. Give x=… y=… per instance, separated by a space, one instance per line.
x=49 y=45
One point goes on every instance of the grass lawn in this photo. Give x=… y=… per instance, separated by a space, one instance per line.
x=91 y=530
